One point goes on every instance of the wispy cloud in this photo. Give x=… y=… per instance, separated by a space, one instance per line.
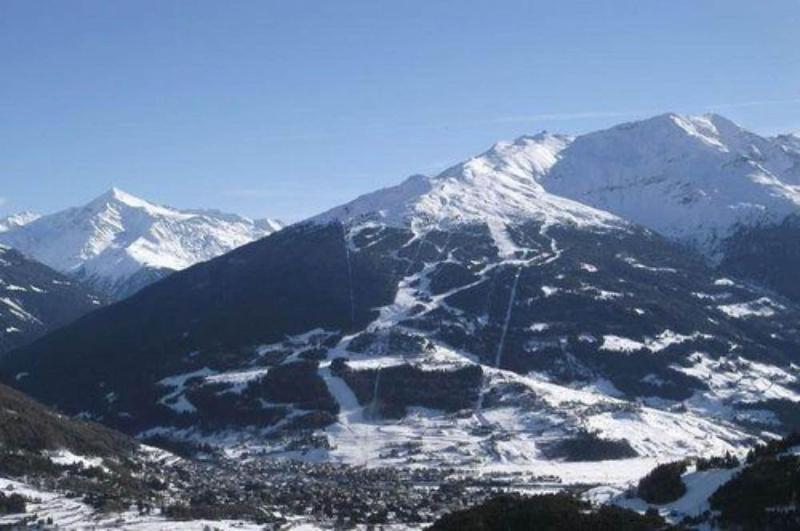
x=283 y=191
x=248 y=193
x=400 y=127
x=527 y=118
x=3 y=200
x=565 y=116
x=559 y=116
x=753 y=103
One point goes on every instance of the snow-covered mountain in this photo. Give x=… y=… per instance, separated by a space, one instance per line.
x=17 y=220
x=472 y=319
x=694 y=179
x=701 y=181
x=499 y=187
x=789 y=141
x=119 y=243
x=691 y=178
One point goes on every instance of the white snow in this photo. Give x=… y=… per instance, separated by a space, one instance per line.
x=614 y=343
x=700 y=485
x=735 y=379
x=68 y=512
x=65 y=457
x=601 y=294
x=117 y=234
x=239 y=379
x=517 y=433
x=763 y=307
x=18 y=311
x=13 y=287
x=496 y=188
x=668 y=337
x=17 y=220
x=175 y=399
x=638 y=265
x=692 y=178
x=549 y=291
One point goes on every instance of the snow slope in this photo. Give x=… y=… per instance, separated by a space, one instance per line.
x=691 y=178
x=700 y=485
x=117 y=235
x=498 y=188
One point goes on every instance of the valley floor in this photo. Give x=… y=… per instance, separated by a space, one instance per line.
x=307 y=496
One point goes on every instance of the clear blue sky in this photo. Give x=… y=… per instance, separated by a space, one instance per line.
x=285 y=108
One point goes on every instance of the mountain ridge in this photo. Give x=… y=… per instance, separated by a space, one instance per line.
x=118 y=242
x=35 y=299
x=691 y=178
x=694 y=179
x=17 y=220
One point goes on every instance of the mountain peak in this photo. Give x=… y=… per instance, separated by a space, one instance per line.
x=497 y=188
x=688 y=177
x=117 y=193
x=119 y=196
x=118 y=237
x=526 y=158
x=691 y=177
x=709 y=130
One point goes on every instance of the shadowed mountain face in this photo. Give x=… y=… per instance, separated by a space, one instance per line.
x=34 y=300
x=768 y=255
x=247 y=340
x=26 y=426
x=205 y=316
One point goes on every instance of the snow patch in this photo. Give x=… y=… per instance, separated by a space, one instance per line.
x=763 y=307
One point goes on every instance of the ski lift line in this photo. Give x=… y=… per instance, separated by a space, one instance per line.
x=509 y=310
x=501 y=344
x=349 y=277
x=416 y=253
x=375 y=389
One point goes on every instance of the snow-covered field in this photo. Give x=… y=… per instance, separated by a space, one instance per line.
x=64 y=512
x=69 y=513
x=700 y=485
x=515 y=435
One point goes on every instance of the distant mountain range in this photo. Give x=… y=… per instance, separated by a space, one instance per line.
x=118 y=243
x=626 y=294
x=16 y=220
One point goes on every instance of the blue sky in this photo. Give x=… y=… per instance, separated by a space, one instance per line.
x=283 y=109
